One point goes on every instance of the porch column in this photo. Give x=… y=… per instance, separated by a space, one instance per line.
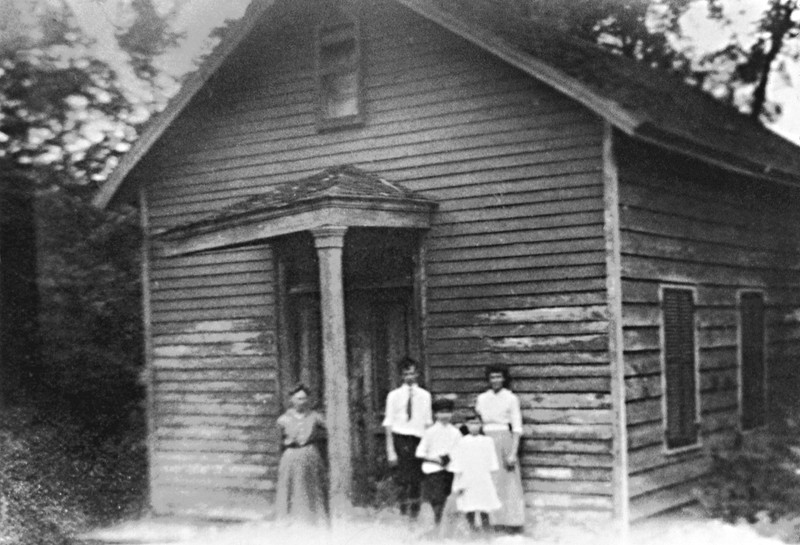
x=329 y=242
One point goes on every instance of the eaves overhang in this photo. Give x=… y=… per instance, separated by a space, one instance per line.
x=342 y=197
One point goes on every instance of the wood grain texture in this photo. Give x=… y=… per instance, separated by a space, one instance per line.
x=514 y=263
x=688 y=225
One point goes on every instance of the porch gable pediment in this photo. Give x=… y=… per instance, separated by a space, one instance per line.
x=344 y=196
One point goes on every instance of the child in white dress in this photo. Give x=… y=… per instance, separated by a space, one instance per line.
x=472 y=462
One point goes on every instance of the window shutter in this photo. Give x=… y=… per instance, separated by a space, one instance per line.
x=751 y=309
x=679 y=357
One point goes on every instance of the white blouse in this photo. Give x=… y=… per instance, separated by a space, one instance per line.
x=500 y=409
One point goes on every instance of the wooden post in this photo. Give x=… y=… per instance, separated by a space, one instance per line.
x=329 y=242
x=615 y=338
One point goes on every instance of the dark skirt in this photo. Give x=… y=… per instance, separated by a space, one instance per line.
x=302 y=485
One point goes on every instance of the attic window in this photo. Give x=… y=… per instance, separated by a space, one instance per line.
x=338 y=69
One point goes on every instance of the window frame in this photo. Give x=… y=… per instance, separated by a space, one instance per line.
x=337 y=19
x=740 y=359
x=698 y=442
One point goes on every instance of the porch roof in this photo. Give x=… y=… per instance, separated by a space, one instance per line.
x=344 y=196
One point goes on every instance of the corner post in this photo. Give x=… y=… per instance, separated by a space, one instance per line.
x=615 y=338
x=329 y=242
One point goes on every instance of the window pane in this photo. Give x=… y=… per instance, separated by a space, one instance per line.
x=340 y=95
x=338 y=55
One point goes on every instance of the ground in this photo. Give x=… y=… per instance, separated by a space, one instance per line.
x=390 y=530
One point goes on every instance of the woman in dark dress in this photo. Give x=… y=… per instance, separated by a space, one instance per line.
x=302 y=479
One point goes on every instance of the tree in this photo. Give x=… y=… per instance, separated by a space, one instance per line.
x=651 y=32
x=70 y=99
x=638 y=29
x=776 y=36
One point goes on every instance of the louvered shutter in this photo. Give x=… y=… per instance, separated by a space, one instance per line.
x=679 y=356
x=751 y=308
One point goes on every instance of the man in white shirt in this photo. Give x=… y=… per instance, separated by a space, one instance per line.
x=408 y=413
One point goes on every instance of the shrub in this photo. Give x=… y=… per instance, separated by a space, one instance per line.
x=72 y=447
x=57 y=477
x=758 y=480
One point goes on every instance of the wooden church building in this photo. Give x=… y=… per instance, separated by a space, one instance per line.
x=344 y=184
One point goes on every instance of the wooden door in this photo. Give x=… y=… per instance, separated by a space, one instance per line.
x=380 y=332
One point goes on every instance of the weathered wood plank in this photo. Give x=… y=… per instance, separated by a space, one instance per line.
x=565 y=401
x=216 y=337
x=439 y=373
x=180 y=316
x=215 y=326
x=223 y=362
x=595 y=384
x=519 y=287
x=502 y=249
x=533 y=275
x=264 y=300
x=479 y=360
x=668 y=475
x=439 y=307
x=564 y=460
x=574 y=503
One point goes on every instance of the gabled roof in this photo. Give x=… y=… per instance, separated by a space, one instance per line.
x=645 y=103
x=343 y=195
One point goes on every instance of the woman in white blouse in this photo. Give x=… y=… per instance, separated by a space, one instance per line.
x=502 y=421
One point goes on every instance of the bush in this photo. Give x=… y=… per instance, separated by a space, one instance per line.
x=72 y=451
x=758 y=480
x=56 y=480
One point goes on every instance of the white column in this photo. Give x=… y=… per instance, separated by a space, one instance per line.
x=329 y=242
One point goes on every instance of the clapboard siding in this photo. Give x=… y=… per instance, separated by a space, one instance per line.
x=689 y=225
x=214 y=384
x=515 y=259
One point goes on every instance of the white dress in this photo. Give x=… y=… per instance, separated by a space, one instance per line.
x=472 y=461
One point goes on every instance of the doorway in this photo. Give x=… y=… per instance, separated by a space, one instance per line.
x=381 y=324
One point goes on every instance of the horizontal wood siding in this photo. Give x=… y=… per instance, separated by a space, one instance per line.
x=214 y=383
x=515 y=260
x=683 y=224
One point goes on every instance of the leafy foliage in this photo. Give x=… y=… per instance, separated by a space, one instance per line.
x=63 y=106
x=759 y=479
x=72 y=454
x=636 y=29
x=58 y=478
x=650 y=31
x=90 y=319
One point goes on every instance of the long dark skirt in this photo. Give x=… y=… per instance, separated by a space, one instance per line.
x=302 y=485
x=507 y=483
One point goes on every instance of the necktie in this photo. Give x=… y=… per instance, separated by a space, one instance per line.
x=408 y=406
